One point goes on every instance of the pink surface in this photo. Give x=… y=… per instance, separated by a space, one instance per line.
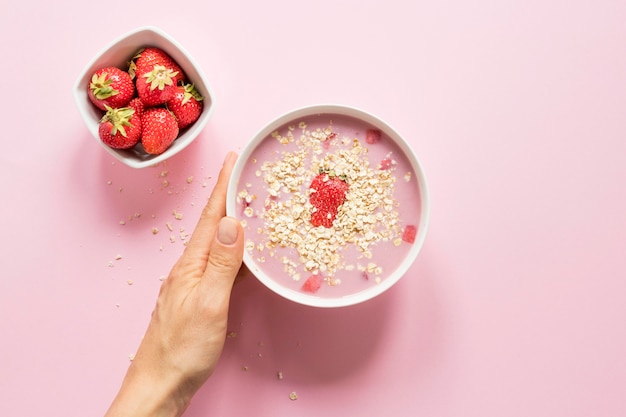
x=515 y=307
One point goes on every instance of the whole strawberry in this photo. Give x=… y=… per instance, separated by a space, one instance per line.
x=157 y=86
x=120 y=128
x=110 y=87
x=186 y=104
x=328 y=193
x=159 y=130
x=137 y=105
x=145 y=60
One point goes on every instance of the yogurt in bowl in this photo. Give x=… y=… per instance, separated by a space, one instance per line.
x=333 y=203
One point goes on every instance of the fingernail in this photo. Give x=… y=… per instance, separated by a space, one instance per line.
x=227 y=231
x=229 y=156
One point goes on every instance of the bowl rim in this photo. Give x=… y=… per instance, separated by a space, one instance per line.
x=400 y=271
x=194 y=130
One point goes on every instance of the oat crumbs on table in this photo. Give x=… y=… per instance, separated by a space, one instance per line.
x=362 y=216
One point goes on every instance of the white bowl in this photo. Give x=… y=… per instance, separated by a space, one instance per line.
x=417 y=191
x=118 y=54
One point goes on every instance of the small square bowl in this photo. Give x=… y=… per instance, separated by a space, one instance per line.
x=270 y=192
x=118 y=54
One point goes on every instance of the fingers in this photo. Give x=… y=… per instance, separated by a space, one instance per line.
x=225 y=257
x=215 y=209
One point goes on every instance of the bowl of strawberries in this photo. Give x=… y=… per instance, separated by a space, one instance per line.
x=143 y=97
x=334 y=205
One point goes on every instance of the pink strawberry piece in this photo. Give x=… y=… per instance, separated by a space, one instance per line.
x=372 y=136
x=159 y=130
x=110 y=87
x=386 y=163
x=120 y=128
x=312 y=284
x=328 y=192
x=409 y=233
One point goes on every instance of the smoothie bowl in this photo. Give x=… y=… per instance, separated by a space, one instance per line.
x=334 y=205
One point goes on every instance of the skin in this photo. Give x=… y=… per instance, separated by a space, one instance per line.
x=187 y=330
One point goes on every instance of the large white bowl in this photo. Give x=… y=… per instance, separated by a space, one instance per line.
x=373 y=291
x=118 y=54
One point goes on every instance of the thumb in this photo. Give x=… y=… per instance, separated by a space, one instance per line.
x=225 y=256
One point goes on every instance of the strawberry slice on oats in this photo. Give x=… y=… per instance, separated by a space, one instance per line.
x=312 y=284
x=409 y=234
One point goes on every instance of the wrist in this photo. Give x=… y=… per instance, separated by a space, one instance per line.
x=145 y=393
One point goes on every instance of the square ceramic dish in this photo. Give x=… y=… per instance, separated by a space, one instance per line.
x=334 y=205
x=118 y=54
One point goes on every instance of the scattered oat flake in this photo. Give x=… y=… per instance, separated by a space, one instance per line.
x=293 y=396
x=169 y=226
x=244 y=368
x=189 y=179
x=177 y=215
x=111 y=264
x=129 y=282
x=118 y=257
x=155 y=230
x=131 y=357
x=279 y=375
x=122 y=222
x=231 y=334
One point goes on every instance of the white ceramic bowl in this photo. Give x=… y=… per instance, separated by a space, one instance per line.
x=118 y=54
x=241 y=179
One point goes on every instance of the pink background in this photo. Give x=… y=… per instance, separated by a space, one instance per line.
x=516 y=305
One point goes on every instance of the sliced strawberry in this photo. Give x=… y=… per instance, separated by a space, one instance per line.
x=328 y=192
x=312 y=284
x=409 y=233
x=372 y=136
x=387 y=163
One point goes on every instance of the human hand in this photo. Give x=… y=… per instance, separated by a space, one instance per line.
x=187 y=329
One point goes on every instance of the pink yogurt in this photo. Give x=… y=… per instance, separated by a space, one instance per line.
x=355 y=271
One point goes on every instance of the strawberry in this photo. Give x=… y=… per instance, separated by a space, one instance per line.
x=110 y=87
x=159 y=130
x=387 y=163
x=137 y=105
x=409 y=233
x=328 y=192
x=186 y=104
x=157 y=86
x=120 y=128
x=145 y=60
x=312 y=284
x=372 y=136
